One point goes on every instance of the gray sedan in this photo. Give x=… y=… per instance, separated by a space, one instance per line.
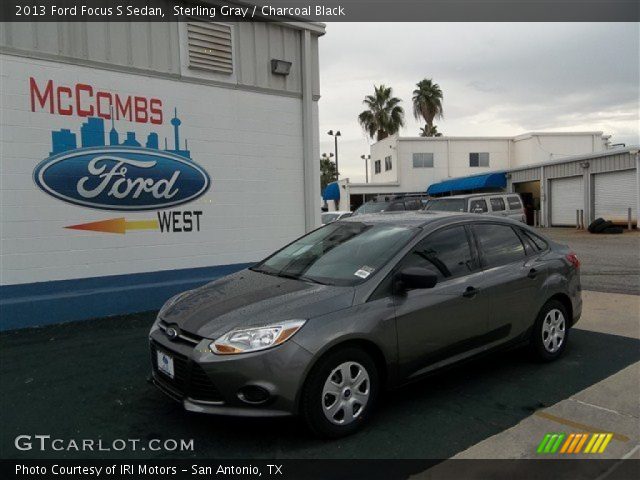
x=363 y=304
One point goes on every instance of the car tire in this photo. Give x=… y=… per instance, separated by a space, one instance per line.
x=332 y=397
x=550 y=332
x=593 y=225
x=602 y=226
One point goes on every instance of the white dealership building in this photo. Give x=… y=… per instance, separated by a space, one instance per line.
x=142 y=159
x=563 y=177
x=411 y=164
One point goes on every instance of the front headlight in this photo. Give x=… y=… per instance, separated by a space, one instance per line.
x=253 y=339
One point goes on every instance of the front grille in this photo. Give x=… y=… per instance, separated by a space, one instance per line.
x=183 y=337
x=189 y=381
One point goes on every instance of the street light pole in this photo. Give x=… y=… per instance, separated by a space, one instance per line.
x=335 y=137
x=366 y=159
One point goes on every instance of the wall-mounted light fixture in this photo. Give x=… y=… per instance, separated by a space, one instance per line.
x=584 y=164
x=280 y=67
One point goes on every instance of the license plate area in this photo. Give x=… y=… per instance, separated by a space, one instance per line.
x=165 y=364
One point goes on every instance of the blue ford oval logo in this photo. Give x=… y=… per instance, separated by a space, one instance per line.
x=172 y=333
x=121 y=176
x=116 y=178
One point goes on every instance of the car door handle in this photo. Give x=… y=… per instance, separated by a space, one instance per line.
x=470 y=292
x=532 y=273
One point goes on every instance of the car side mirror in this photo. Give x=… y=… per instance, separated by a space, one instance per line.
x=417 y=278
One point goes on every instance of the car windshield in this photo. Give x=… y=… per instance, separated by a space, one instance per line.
x=372 y=207
x=446 y=205
x=341 y=253
x=329 y=217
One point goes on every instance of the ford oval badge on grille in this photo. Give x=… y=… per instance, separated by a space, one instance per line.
x=172 y=333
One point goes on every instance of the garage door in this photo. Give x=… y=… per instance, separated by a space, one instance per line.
x=614 y=193
x=567 y=196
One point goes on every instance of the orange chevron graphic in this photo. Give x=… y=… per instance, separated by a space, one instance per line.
x=117 y=225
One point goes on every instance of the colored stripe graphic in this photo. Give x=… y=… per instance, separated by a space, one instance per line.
x=581 y=442
x=117 y=225
x=550 y=443
x=606 y=442
x=574 y=442
x=567 y=443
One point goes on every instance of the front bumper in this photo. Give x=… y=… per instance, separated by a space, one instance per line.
x=208 y=383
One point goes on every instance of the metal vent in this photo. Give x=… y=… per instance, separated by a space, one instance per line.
x=210 y=47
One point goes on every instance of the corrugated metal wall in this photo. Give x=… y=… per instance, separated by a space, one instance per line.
x=155 y=47
x=607 y=162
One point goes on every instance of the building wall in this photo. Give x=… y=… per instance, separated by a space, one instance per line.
x=248 y=142
x=380 y=150
x=451 y=155
x=585 y=166
x=246 y=130
x=450 y=159
x=155 y=47
x=538 y=148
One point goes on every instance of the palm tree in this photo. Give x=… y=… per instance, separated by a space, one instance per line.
x=384 y=116
x=424 y=132
x=427 y=104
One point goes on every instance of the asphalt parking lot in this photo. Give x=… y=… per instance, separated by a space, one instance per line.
x=610 y=263
x=88 y=380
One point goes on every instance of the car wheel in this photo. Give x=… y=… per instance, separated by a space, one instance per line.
x=340 y=393
x=550 y=332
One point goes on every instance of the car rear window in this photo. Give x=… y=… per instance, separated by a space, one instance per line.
x=497 y=204
x=499 y=244
x=514 y=203
x=535 y=240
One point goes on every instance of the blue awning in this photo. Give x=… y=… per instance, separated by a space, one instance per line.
x=331 y=192
x=490 y=180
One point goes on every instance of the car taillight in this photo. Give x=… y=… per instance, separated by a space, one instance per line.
x=573 y=260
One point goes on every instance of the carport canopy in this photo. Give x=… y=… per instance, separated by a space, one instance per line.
x=475 y=182
x=331 y=192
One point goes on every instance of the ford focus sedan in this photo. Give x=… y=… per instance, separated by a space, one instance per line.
x=322 y=326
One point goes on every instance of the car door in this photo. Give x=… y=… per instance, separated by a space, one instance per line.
x=513 y=279
x=441 y=323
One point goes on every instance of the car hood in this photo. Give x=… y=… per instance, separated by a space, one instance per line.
x=249 y=298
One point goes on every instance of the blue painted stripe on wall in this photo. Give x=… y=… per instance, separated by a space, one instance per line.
x=44 y=303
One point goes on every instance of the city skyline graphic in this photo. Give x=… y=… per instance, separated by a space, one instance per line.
x=93 y=134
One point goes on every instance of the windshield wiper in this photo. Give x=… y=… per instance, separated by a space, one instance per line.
x=289 y=275
x=313 y=280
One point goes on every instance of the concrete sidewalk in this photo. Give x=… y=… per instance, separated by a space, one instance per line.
x=610 y=406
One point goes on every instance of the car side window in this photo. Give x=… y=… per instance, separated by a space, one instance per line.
x=478 y=206
x=514 y=203
x=499 y=244
x=538 y=242
x=497 y=204
x=446 y=252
